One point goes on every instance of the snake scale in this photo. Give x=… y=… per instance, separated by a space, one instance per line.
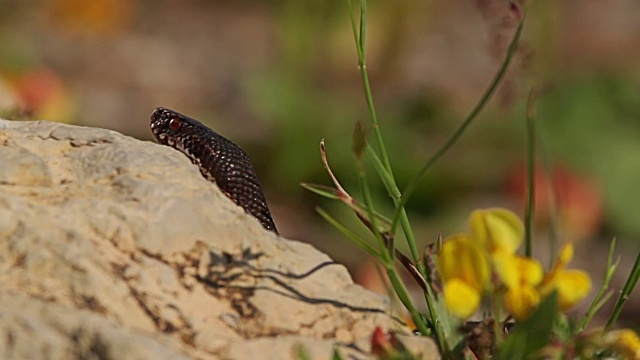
x=219 y=159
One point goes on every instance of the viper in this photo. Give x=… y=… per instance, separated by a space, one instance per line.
x=219 y=159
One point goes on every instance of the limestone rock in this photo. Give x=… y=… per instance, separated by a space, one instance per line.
x=116 y=248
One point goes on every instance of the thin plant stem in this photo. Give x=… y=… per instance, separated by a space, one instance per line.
x=491 y=89
x=396 y=197
x=496 y=314
x=531 y=172
x=354 y=28
x=411 y=241
x=554 y=228
x=350 y=234
x=624 y=294
x=598 y=300
x=404 y=297
x=360 y=38
x=387 y=256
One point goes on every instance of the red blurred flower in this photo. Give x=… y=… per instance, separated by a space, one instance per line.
x=42 y=93
x=578 y=199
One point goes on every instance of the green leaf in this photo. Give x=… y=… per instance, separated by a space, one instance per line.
x=336 y=354
x=385 y=176
x=602 y=296
x=350 y=234
x=451 y=327
x=562 y=327
x=322 y=190
x=302 y=353
x=632 y=280
x=531 y=334
x=331 y=193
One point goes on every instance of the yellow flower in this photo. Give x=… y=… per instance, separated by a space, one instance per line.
x=625 y=342
x=572 y=285
x=520 y=276
x=464 y=270
x=467 y=263
x=461 y=298
x=516 y=271
x=498 y=230
x=521 y=301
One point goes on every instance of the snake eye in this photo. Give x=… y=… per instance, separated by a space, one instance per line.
x=175 y=124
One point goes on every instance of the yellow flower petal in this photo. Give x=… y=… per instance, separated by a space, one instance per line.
x=564 y=258
x=515 y=271
x=572 y=286
x=460 y=298
x=624 y=341
x=566 y=253
x=498 y=230
x=460 y=258
x=521 y=300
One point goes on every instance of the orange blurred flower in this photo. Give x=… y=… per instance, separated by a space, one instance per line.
x=94 y=17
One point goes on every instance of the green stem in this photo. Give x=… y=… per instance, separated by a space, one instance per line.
x=352 y=15
x=387 y=256
x=362 y=65
x=624 y=294
x=531 y=172
x=403 y=295
x=554 y=228
x=394 y=193
x=496 y=313
x=598 y=300
x=411 y=187
x=384 y=158
x=359 y=241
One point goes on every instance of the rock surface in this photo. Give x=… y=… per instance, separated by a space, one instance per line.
x=114 y=248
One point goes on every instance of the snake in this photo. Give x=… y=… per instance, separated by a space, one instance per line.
x=220 y=160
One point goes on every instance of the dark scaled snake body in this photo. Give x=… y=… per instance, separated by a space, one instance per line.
x=220 y=160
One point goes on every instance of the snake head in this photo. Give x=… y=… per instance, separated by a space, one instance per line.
x=178 y=131
x=165 y=125
x=187 y=135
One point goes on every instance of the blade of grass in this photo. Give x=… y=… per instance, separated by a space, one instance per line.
x=322 y=190
x=403 y=295
x=387 y=255
x=531 y=172
x=362 y=243
x=624 y=294
x=404 y=260
x=358 y=146
x=599 y=299
x=352 y=16
x=394 y=193
x=360 y=44
x=363 y=30
x=352 y=203
x=360 y=38
x=387 y=179
x=554 y=228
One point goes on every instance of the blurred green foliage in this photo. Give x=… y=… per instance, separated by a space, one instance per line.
x=592 y=122
x=307 y=88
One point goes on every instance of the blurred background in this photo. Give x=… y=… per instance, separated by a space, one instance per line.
x=278 y=76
